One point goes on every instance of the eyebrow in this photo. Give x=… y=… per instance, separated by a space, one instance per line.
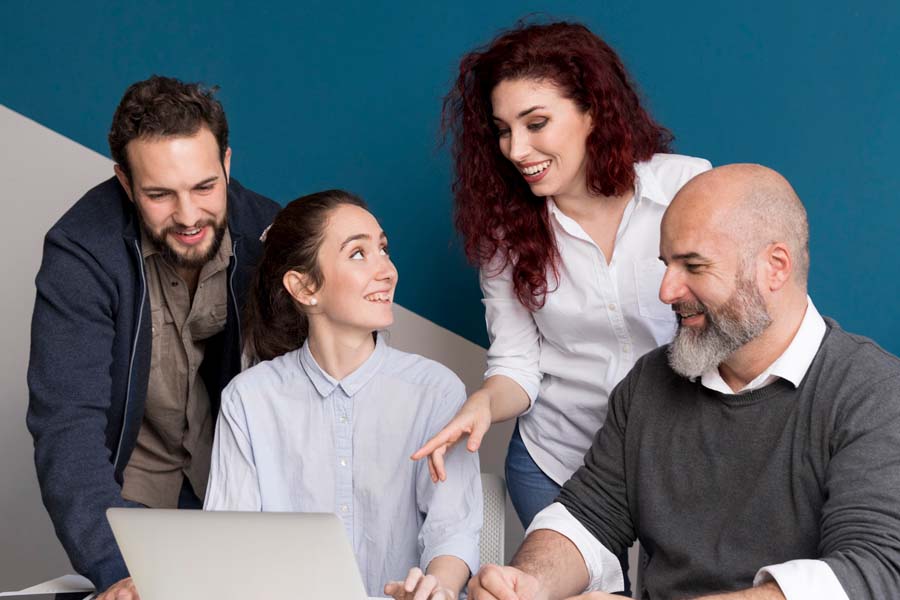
x=206 y=181
x=524 y=113
x=686 y=256
x=361 y=236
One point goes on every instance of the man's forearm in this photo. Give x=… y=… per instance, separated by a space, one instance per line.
x=766 y=591
x=554 y=561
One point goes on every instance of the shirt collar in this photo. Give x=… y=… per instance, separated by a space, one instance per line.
x=793 y=363
x=647 y=185
x=352 y=383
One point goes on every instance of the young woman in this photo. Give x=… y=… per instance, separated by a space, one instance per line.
x=562 y=179
x=326 y=421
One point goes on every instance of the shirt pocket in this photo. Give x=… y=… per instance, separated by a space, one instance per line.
x=162 y=329
x=648 y=275
x=210 y=322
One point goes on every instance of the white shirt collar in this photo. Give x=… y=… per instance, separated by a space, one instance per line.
x=793 y=363
x=646 y=186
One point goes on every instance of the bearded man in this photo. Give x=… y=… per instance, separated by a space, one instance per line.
x=755 y=457
x=136 y=324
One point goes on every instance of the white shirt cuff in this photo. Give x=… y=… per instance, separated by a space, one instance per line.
x=603 y=567
x=803 y=579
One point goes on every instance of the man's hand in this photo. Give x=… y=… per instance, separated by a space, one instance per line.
x=473 y=418
x=595 y=596
x=121 y=590
x=418 y=586
x=493 y=582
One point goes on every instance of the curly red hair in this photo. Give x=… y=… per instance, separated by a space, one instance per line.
x=496 y=213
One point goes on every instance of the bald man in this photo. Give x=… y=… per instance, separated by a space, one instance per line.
x=755 y=457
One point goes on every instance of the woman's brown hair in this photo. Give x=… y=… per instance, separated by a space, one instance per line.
x=274 y=322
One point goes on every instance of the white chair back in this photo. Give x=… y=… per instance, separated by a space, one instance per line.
x=493 y=533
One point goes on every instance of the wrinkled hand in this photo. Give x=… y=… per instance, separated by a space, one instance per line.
x=474 y=418
x=493 y=582
x=418 y=586
x=121 y=590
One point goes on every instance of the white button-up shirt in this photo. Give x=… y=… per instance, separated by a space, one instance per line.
x=802 y=579
x=597 y=320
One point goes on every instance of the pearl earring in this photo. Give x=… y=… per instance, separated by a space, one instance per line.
x=313 y=301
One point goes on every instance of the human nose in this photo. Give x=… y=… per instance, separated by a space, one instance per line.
x=386 y=270
x=671 y=289
x=186 y=210
x=518 y=146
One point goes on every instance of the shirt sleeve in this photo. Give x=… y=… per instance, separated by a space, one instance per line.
x=233 y=482
x=453 y=508
x=603 y=567
x=803 y=580
x=515 y=349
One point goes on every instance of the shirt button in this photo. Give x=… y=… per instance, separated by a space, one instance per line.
x=345 y=508
x=343 y=418
x=626 y=348
x=343 y=462
x=611 y=306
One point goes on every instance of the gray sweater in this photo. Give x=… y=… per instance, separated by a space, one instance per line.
x=717 y=486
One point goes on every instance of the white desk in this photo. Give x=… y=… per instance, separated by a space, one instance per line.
x=73 y=583
x=66 y=583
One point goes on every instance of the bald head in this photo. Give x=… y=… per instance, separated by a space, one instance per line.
x=748 y=205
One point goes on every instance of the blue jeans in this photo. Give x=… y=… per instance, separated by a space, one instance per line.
x=531 y=491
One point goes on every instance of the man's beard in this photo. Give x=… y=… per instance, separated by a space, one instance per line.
x=176 y=258
x=742 y=318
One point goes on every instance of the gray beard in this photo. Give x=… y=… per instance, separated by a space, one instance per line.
x=742 y=318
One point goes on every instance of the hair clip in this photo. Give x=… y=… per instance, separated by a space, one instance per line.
x=262 y=237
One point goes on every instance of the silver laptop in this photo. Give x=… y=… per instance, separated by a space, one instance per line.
x=175 y=554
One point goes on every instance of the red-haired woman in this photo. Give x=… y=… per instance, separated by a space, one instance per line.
x=562 y=178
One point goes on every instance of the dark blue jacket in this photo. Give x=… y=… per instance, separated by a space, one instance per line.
x=90 y=360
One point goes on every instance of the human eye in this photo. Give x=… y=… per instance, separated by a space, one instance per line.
x=537 y=125
x=693 y=267
x=157 y=195
x=384 y=250
x=357 y=254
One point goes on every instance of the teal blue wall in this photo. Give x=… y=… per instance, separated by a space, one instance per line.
x=332 y=94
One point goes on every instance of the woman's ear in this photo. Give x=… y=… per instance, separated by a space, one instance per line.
x=298 y=286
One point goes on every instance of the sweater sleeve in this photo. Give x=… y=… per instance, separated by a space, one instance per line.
x=69 y=383
x=861 y=516
x=596 y=493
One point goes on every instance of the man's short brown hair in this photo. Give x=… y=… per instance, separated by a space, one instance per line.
x=161 y=107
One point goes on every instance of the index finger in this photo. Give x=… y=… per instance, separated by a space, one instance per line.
x=446 y=436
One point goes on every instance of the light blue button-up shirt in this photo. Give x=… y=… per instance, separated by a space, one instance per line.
x=292 y=438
